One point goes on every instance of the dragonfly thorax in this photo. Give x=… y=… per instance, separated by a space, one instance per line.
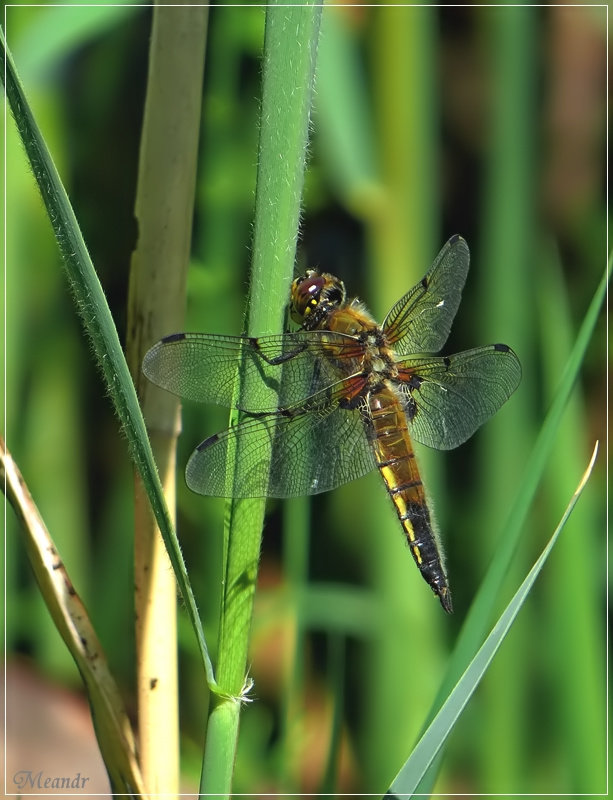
x=378 y=363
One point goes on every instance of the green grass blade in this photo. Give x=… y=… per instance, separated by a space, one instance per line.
x=98 y=322
x=479 y=614
x=573 y=596
x=407 y=780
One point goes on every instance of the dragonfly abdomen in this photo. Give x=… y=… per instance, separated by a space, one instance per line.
x=396 y=462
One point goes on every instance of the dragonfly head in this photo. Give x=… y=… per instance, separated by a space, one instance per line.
x=314 y=296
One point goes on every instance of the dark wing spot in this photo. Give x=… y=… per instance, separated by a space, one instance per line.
x=208 y=442
x=173 y=337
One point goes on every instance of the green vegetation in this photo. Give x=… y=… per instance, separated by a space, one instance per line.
x=426 y=122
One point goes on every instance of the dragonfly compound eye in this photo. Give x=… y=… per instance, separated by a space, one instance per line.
x=305 y=295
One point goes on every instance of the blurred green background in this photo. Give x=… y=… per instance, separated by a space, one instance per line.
x=488 y=122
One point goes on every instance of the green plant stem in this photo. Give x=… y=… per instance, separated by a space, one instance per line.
x=220 y=750
x=290 y=49
x=289 y=61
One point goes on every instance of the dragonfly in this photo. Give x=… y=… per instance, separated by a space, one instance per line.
x=342 y=396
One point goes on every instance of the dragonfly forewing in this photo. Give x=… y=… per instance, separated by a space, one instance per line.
x=420 y=321
x=278 y=370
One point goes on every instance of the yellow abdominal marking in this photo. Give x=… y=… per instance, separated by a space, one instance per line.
x=408 y=527
x=416 y=553
x=400 y=504
x=388 y=477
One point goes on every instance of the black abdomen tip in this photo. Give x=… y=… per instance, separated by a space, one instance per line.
x=445 y=597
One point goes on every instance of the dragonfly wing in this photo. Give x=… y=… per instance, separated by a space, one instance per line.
x=447 y=399
x=421 y=320
x=298 y=451
x=278 y=370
